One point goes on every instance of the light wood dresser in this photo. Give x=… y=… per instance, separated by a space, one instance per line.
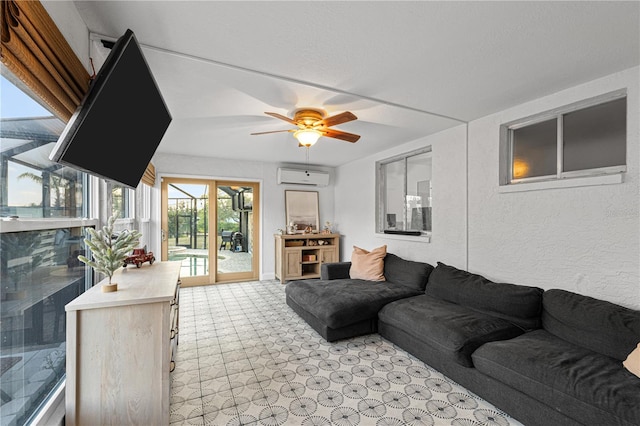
x=300 y=256
x=120 y=348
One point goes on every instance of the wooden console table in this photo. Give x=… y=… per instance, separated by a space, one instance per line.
x=120 y=348
x=300 y=256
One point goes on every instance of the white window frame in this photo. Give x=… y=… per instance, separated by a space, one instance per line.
x=128 y=200
x=596 y=176
x=425 y=236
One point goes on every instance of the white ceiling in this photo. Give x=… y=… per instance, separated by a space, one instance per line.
x=221 y=65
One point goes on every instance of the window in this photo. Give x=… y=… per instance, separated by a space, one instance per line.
x=34 y=187
x=39 y=270
x=40 y=273
x=404 y=193
x=587 y=138
x=121 y=201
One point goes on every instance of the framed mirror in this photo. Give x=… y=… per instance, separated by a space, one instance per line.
x=302 y=211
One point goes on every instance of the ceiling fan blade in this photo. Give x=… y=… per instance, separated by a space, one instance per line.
x=337 y=134
x=281 y=117
x=272 y=131
x=344 y=117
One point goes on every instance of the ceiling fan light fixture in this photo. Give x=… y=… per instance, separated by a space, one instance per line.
x=307 y=137
x=313 y=123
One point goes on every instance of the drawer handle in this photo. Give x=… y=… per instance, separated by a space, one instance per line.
x=172 y=366
x=174 y=333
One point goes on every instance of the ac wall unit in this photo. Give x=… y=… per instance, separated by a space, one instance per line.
x=303 y=177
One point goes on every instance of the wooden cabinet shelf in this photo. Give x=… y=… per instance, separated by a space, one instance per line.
x=121 y=348
x=300 y=256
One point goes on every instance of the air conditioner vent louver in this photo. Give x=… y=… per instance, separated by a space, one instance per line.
x=303 y=177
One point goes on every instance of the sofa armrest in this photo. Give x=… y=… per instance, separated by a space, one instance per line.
x=334 y=271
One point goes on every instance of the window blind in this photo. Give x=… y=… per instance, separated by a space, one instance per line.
x=149 y=176
x=34 y=50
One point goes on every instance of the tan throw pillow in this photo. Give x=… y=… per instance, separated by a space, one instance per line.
x=632 y=363
x=368 y=265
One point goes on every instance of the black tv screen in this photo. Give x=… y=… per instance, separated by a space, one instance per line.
x=117 y=128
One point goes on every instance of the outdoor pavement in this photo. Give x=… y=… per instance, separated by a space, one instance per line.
x=196 y=262
x=229 y=261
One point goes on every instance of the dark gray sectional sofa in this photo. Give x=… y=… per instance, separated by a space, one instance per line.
x=545 y=357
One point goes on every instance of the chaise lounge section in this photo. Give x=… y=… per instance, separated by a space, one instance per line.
x=339 y=307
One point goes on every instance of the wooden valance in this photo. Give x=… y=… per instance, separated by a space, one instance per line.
x=35 y=51
x=149 y=176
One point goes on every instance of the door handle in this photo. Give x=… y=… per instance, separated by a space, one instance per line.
x=164 y=235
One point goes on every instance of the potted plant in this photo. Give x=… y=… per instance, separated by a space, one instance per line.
x=109 y=253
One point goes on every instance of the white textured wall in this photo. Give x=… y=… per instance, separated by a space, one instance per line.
x=272 y=211
x=583 y=239
x=355 y=203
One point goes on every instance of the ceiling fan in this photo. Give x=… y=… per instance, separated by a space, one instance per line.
x=313 y=123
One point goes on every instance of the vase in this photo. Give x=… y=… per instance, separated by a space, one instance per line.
x=109 y=288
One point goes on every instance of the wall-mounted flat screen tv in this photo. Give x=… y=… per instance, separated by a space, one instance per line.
x=117 y=128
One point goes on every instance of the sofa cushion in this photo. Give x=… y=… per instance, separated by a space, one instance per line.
x=368 y=265
x=632 y=363
x=341 y=302
x=575 y=380
x=406 y=272
x=335 y=270
x=448 y=327
x=598 y=325
x=518 y=304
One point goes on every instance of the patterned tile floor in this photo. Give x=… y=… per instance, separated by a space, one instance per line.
x=245 y=358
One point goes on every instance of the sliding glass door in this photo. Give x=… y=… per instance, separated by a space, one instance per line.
x=237 y=206
x=216 y=241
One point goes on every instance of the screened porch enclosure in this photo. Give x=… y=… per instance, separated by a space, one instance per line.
x=190 y=234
